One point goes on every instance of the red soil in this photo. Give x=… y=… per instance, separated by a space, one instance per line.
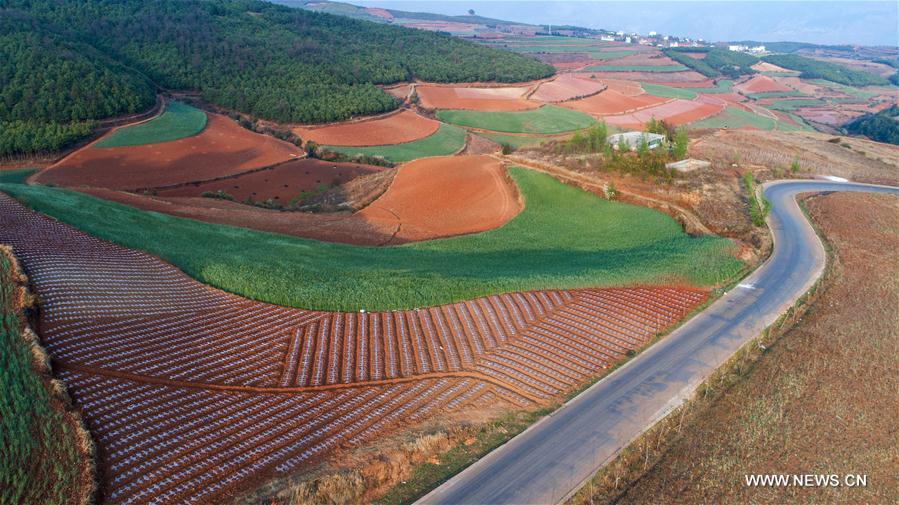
x=613 y=102
x=223 y=148
x=485 y=99
x=697 y=56
x=761 y=84
x=195 y=394
x=708 y=83
x=400 y=91
x=655 y=77
x=764 y=66
x=567 y=87
x=378 y=12
x=281 y=184
x=412 y=209
x=475 y=188
x=676 y=112
x=646 y=58
x=398 y=128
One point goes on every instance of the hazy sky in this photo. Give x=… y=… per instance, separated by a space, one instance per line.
x=847 y=22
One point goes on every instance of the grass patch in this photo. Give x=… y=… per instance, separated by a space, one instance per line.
x=564 y=238
x=849 y=90
x=775 y=94
x=546 y=119
x=733 y=117
x=518 y=141
x=446 y=140
x=177 y=122
x=668 y=91
x=40 y=461
x=786 y=105
x=636 y=68
x=17 y=176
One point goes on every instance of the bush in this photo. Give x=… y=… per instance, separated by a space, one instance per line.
x=758 y=209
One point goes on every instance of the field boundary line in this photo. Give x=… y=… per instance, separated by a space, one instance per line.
x=291 y=389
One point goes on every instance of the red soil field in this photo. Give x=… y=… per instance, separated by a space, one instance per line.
x=223 y=148
x=381 y=13
x=281 y=183
x=761 y=84
x=697 y=56
x=708 y=83
x=613 y=102
x=764 y=66
x=567 y=87
x=193 y=394
x=400 y=91
x=398 y=128
x=475 y=186
x=485 y=99
x=676 y=112
x=655 y=77
x=645 y=58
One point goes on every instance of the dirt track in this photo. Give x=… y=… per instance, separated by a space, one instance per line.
x=223 y=148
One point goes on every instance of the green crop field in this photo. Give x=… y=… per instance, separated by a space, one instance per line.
x=177 y=122
x=722 y=86
x=732 y=117
x=445 y=141
x=668 y=91
x=564 y=238
x=39 y=458
x=636 y=68
x=519 y=141
x=776 y=94
x=546 y=119
x=787 y=105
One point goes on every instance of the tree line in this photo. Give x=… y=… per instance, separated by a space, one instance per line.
x=816 y=69
x=267 y=60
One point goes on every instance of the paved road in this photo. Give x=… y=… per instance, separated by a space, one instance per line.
x=551 y=460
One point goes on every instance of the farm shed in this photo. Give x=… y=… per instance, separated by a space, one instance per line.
x=633 y=139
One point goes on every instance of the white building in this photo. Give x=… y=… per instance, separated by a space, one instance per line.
x=607 y=38
x=652 y=34
x=633 y=139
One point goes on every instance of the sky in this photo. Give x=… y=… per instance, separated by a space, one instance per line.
x=845 y=22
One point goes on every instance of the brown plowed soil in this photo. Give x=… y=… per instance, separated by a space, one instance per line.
x=474 y=187
x=686 y=76
x=761 y=84
x=567 y=87
x=676 y=112
x=404 y=126
x=281 y=183
x=192 y=393
x=613 y=102
x=764 y=66
x=223 y=148
x=412 y=209
x=484 y=99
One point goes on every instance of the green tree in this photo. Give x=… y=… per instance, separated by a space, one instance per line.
x=681 y=143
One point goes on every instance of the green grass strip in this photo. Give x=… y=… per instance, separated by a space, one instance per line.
x=39 y=460
x=788 y=105
x=518 y=141
x=636 y=68
x=177 y=122
x=546 y=119
x=564 y=238
x=776 y=94
x=445 y=141
x=733 y=117
x=17 y=176
x=668 y=91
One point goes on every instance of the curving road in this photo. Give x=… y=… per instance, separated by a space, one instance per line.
x=549 y=461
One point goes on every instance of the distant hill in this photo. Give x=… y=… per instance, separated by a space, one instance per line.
x=882 y=126
x=271 y=61
x=358 y=12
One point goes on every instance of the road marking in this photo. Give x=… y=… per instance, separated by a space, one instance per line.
x=746 y=285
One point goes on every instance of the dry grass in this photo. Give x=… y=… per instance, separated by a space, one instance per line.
x=816 y=400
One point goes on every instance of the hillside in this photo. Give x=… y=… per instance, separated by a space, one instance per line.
x=816 y=69
x=271 y=61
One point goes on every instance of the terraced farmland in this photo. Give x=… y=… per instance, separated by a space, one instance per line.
x=445 y=141
x=192 y=392
x=546 y=119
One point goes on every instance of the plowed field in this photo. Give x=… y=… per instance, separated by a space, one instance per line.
x=482 y=99
x=223 y=148
x=567 y=87
x=404 y=126
x=761 y=84
x=281 y=184
x=192 y=393
x=613 y=102
x=676 y=112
